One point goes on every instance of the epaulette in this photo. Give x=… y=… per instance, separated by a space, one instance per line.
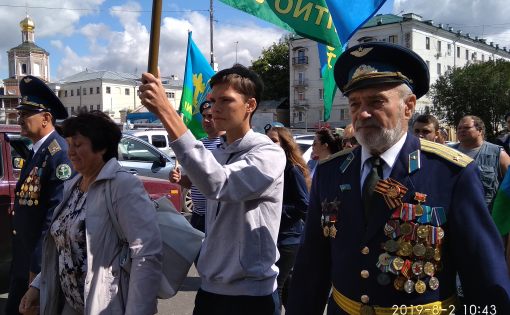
x=450 y=154
x=334 y=156
x=54 y=147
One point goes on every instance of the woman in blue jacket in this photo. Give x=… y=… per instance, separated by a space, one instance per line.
x=296 y=186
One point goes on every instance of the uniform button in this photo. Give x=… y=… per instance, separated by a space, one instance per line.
x=12 y=213
x=365 y=250
x=365 y=274
x=365 y=299
x=13 y=232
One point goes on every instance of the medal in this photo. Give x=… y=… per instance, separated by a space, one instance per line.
x=437 y=254
x=332 y=231
x=420 y=286
x=30 y=202
x=366 y=310
x=429 y=269
x=422 y=231
x=390 y=246
x=419 y=250
x=398 y=263
x=406 y=228
x=417 y=268
x=325 y=229
x=433 y=283
x=36 y=202
x=409 y=286
x=405 y=249
x=384 y=259
x=398 y=283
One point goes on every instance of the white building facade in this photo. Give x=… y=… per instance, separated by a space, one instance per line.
x=114 y=93
x=442 y=48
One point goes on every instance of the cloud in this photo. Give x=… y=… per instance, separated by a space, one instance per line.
x=127 y=50
x=485 y=19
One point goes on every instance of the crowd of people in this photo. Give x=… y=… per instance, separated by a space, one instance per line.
x=385 y=218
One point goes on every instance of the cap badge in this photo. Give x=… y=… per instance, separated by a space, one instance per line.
x=363 y=70
x=24 y=98
x=27 y=80
x=360 y=52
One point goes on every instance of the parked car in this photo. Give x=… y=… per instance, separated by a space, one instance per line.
x=13 y=149
x=305 y=144
x=156 y=137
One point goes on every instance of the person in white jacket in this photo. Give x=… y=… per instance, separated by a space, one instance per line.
x=243 y=183
x=81 y=267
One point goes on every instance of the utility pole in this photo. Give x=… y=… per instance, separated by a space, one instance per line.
x=211 y=21
x=236 y=42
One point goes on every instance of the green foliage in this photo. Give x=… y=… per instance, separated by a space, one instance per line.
x=273 y=68
x=481 y=89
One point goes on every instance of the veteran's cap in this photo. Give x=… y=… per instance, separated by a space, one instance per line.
x=37 y=96
x=204 y=105
x=377 y=63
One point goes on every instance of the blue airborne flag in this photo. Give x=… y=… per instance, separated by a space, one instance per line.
x=195 y=88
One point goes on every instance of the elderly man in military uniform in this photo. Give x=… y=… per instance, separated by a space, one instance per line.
x=39 y=188
x=391 y=222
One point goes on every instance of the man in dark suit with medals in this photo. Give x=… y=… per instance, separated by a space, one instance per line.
x=393 y=221
x=39 y=188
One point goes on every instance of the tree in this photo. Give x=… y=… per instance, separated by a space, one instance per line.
x=481 y=89
x=273 y=68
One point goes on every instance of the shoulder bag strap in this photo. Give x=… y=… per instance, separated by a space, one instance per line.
x=109 y=206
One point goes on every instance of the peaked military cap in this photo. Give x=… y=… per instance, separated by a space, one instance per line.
x=377 y=63
x=37 y=96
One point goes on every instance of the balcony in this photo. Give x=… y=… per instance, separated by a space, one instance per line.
x=301 y=103
x=300 y=83
x=302 y=60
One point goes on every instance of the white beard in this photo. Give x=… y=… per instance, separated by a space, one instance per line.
x=381 y=140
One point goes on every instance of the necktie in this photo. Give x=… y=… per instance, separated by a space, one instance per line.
x=375 y=174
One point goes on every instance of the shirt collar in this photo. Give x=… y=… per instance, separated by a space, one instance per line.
x=39 y=143
x=389 y=156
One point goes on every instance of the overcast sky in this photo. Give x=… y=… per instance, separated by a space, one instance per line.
x=114 y=34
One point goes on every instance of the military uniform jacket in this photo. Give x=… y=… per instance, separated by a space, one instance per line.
x=38 y=192
x=471 y=245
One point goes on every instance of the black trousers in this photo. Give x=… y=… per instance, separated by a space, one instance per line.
x=285 y=264
x=207 y=303
x=18 y=278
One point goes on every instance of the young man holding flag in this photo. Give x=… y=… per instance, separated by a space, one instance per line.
x=243 y=183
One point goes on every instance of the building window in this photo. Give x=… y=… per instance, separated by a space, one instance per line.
x=438 y=69
x=84 y=91
x=467 y=54
x=321 y=94
x=301 y=96
x=428 y=64
x=72 y=92
x=24 y=68
x=458 y=52
x=91 y=90
x=65 y=93
x=72 y=110
x=108 y=90
x=126 y=91
x=300 y=116
x=449 y=49
x=91 y=107
x=393 y=39
x=170 y=94
x=439 y=47
x=98 y=90
x=78 y=92
x=98 y=107
x=343 y=114
x=320 y=73
x=427 y=43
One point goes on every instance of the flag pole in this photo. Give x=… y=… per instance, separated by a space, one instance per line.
x=154 y=38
